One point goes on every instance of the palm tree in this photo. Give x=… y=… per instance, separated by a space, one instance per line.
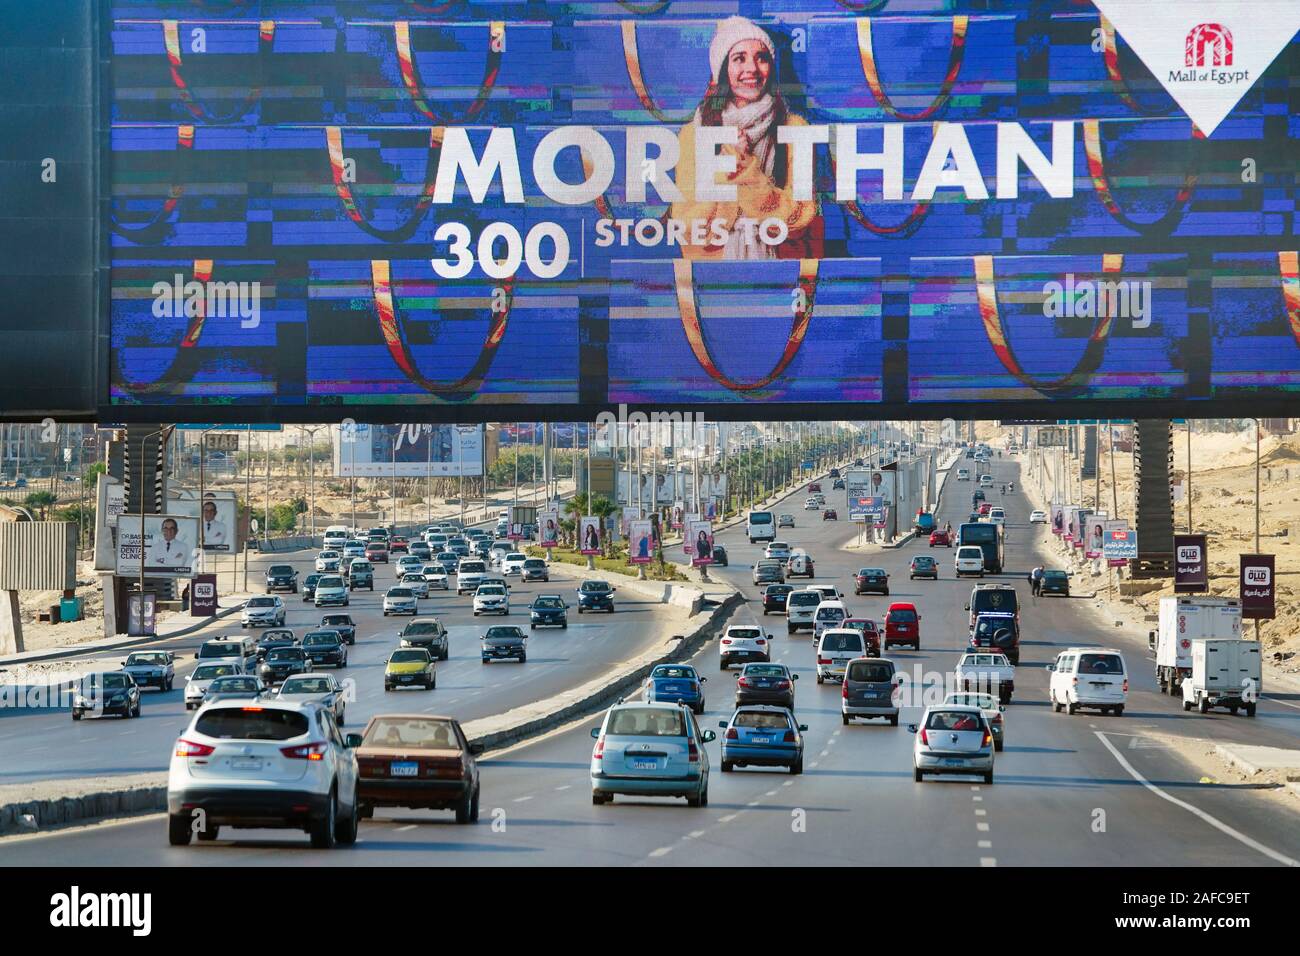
x=40 y=500
x=603 y=509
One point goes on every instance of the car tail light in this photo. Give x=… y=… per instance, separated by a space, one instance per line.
x=599 y=752
x=742 y=682
x=924 y=739
x=188 y=748
x=789 y=736
x=731 y=734
x=692 y=752
x=315 y=751
x=1126 y=685
x=823 y=660
x=760 y=641
x=988 y=738
x=726 y=640
x=783 y=685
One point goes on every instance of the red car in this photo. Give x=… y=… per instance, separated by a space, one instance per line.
x=377 y=551
x=903 y=626
x=830 y=515
x=399 y=546
x=870 y=634
x=941 y=538
x=815 y=486
x=984 y=508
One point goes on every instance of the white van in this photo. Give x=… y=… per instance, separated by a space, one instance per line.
x=835 y=649
x=828 y=616
x=800 y=607
x=760 y=526
x=469 y=575
x=1089 y=677
x=336 y=536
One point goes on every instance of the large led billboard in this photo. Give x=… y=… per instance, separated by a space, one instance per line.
x=326 y=208
x=407 y=451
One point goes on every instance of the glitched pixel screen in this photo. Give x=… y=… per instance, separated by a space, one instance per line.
x=281 y=233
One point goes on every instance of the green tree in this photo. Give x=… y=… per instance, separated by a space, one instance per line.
x=40 y=501
x=88 y=477
x=283 y=517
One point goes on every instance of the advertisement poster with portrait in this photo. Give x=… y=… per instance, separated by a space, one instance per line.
x=641 y=545
x=883 y=486
x=688 y=542
x=700 y=535
x=1094 y=535
x=630 y=513
x=679 y=514
x=170 y=545
x=1071 y=522
x=589 y=534
x=216 y=516
x=1081 y=519
x=548 y=529
x=1058 y=518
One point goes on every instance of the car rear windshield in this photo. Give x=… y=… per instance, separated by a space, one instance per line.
x=764 y=670
x=414 y=732
x=670 y=671
x=970 y=553
x=647 y=722
x=1054 y=575
x=1100 y=664
x=779 y=589
x=223 y=649
x=336 y=619
x=285 y=654
x=213 y=670
x=903 y=616
x=830 y=614
x=331 y=582
x=420 y=627
x=532 y=564
x=231 y=684
x=842 y=642
x=994 y=599
x=306 y=685
x=982 y=701
x=252 y=724
x=321 y=637
x=158 y=658
x=954 y=720
x=760 y=517
x=923 y=562
x=503 y=633
x=805 y=598
x=761 y=720
x=744 y=633
x=472 y=567
x=871 y=672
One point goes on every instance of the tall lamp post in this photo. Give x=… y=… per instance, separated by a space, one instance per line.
x=165 y=430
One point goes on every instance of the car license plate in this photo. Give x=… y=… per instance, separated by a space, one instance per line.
x=761 y=740
x=406 y=679
x=403 y=769
x=245 y=763
x=645 y=765
x=952 y=762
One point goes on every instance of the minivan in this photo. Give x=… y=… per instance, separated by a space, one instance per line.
x=869 y=684
x=1088 y=677
x=469 y=575
x=838 y=646
x=800 y=606
x=760 y=526
x=829 y=614
x=336 y=536
x=242 y=650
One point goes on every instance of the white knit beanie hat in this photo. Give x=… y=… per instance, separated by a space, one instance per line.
x=731 y=31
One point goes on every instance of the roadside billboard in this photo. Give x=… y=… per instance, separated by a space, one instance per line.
x=589 y=534
x=700 y=534
x=1191 y=564
x=1258 y=590
x=407 y=451
x=170 y=545
x=1058 y=518
x=216 y=516
x=548 y=529
x=1119 y=543
x=641 y=546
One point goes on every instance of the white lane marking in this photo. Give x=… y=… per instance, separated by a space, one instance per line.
x=522 y=799
x=1284 y=703
x=824 y=752
x=752 y=803
x=977 y=799
x=985 y=844
x=988 y=861
x=409 y=826
x=814 y=763
x=770 y=793
x=662 y=851
x=1212 y=821
x=695 y=834
x=728 y=818
x=788 y=783
x=982 y=827
x=975 y=788
x=981 y=813
x=125 y=733
x=567 y=786
x=835 y=734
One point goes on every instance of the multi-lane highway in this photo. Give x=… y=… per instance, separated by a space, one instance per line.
x=1083 y=790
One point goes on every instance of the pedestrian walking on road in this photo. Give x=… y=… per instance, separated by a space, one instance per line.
x=1036 y=580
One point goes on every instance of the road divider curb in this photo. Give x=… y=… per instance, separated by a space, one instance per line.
x=79 y=801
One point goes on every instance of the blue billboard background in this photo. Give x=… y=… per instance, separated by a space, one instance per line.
x=295 y=145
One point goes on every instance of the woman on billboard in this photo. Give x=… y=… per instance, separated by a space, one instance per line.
x=742 y=93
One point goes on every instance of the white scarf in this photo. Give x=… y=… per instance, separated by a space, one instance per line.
x=754 y=121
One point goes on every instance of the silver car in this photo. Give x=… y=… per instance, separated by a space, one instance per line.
x=952 y=739
x=322 y=689
x=263 y=611
x=400 y=600
x=416 y=582
x=650 y=750
x=993 y=712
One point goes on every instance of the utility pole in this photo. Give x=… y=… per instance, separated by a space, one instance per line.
x=1189 y=474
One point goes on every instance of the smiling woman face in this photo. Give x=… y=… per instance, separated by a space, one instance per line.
x=749 y=66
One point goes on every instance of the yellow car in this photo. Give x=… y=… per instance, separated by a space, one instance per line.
x=410 y=667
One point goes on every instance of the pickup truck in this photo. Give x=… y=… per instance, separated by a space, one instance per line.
x=152 y=668
x=987 y=673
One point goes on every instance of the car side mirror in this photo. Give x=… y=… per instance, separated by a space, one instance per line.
x=1051 y=667
x=476 y=749
x=1151 y=640
x=595 y=733
x=703 y=680
x=353 y=741
x=196 y=656
x=722 y=724
x=708 y=736
x=966 y=607
x=911 y=728
x=1002 y=709
x=188 y=677
x=803 y=727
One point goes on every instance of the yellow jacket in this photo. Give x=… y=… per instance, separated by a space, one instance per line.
x=757 y=197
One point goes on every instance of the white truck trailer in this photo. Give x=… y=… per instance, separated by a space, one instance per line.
x=1184 y=620
x=1225 y=673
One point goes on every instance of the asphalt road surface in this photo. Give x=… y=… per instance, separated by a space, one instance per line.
x=1082 y=790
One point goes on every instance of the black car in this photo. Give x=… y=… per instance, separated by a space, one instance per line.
x=282 y=577
x=976 y=497
x=549 y=610
x=774 y=597
x=342 y=623
x=838 y=485
x=596 y=596
x=325 y=648
x=765 y=684
x=504 y=642
x=283 y=661
x=275 y=637
x=871 y=581
x=309 y=587
x=997 y=631
x=720 y=556
x=102 y=694
x=1055 y=582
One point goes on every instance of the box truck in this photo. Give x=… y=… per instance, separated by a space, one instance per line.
x=1184 y=620
x=1225 y=673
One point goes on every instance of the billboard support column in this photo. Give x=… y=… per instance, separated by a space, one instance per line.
x=143 y=440
x=1189 y=502
x=248 y=497
x=1189 y=478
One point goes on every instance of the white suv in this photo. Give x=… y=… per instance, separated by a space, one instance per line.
x=969 y=560
x=800 y=608
x=513 y=563
x=1088 y=677
x=744 y=642
x=280 y=765
x=469 y=574
x=963 y=474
